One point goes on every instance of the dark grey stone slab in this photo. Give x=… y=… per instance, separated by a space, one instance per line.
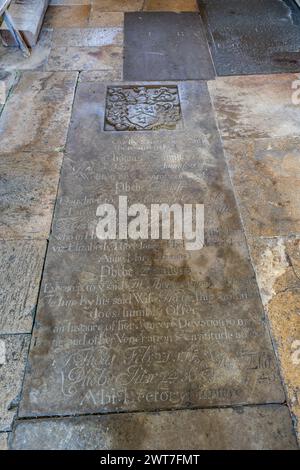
x=261 y=427
x=127 y=325
x=165 y=46
x=254 y=37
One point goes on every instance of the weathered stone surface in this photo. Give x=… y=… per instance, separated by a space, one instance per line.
x=266 y=177
x=86 y=58
x=261 y=36
x=170 y=5
x=263 y=427
x=102 y=19
x=87 y=37
x=165 y=46
x=13 y=354
x=22 y=263
x=73 y=16
x=36 y=116
x=28 y=189
x=100 y=75
x=4 y=440
x=146 y=324
x=277 y=265
x=12 y=59
x=117 y=5
x=254 y=106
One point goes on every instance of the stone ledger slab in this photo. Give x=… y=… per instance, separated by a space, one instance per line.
x=256 y=37
x=165 y=46
x=263 y=427
x=22 y=263
x=146 y=324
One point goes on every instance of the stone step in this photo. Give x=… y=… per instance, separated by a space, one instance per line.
x=28 y=16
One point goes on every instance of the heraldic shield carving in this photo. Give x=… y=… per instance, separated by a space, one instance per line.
x=140 y=108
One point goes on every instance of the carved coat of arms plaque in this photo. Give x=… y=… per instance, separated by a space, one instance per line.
x=140 y=108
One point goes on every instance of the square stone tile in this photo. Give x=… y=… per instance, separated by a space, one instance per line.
x=165 y=46
x=100 y=19
x=170 y=5
x=36 y=116
x=4 y=440
x=277 y=265
x=86 y=58
x=139 y=108
x=72 y=16
x=13 y=355
x=11 y=58
x=28 y=189
x=256 y=37
x=266 y=178
x=258 y=427
x=22 y=263
x=117 y=5
x=256 y=106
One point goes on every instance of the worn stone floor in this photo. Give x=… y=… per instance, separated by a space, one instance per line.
x=141 y=344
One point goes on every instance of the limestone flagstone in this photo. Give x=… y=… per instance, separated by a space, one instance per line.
x=73 y=16
x=170 y=5
x=86 y=58
x=258 y=106
x=253 y=428
x=126 y=324
x=101 y=19
x=277 y=265
x=266 y=178
x=165 y=46
x=42 y=124
x=13 y=355
x=22 y=263
x=87 y=37
x=261 y=36
x=117 y=5
x=28 y=191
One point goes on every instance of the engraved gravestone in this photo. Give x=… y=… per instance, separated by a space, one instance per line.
x=144 y=324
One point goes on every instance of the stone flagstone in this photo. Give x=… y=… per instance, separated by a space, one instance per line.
x=263 y=427
x=261 y=36
x=266 y=178
x=170 y=5
x=13 y=355
x=41 y=124
x=165 y=46
x=256 y=106
x=86 y=58
x=101 y=19
x=28 y=191
x=4 y=440
x=128 y=325
x=277 y=265
x=117 y=5
x=22 y=263
x=72 y=16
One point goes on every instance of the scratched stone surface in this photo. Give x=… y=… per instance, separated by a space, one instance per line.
x=146 y=324
x=165 y=46
x=224 y=429
x=261 y=36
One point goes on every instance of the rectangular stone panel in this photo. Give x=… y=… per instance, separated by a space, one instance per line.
x=266 y=177
x=165 y=46
x=254 y=106
x=4 y=440
x=146 y=324
x=20 y=276
x=28 y=191
x=13 y=356
x=256 y=428
x=257 y=37
x=36 y=116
